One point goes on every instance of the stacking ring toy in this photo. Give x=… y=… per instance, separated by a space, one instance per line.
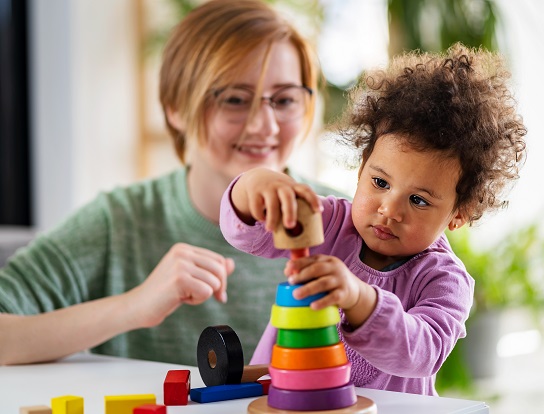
x=283 y=317
x=219 y=355
x=331 y=399
x=310 y=379
x=308 y=358
x=307 y=338
x=284 y=296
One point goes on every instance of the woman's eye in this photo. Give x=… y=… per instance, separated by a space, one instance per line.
x=418 y=201
x=378 y=182
x=236 y=101
x=283 y=101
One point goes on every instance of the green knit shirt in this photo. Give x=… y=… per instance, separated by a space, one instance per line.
x=112 y=244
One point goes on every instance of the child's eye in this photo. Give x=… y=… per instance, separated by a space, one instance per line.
x=378 y=182
x=418 y=201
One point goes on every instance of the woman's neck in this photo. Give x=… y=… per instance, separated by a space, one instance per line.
x=205 y=191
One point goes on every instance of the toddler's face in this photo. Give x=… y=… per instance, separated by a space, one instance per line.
x=404 y=200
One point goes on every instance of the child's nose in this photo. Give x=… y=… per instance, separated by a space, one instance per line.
x=391 y=208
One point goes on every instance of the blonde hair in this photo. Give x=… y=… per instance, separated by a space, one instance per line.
x=205 y=51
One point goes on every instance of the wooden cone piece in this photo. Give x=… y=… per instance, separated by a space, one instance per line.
x=253 y=372
x=307 y=233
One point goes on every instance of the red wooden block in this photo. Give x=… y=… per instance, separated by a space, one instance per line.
x=265 y=382
x=149 y=409
x=177 y=386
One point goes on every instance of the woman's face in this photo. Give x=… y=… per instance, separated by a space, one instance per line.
x=234 y=144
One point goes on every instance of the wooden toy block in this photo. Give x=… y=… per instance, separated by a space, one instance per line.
x=311 y=379
x=253 y=372
x=221 y=360
x=150 y=409
x=35 y=409
x=219 y=356
x=309 y=358
x=307 y=233
x=177 y=386
x=326 y=399
x=67 y=404
x=307 y=338
x=283 y=317
x=363 y=405
x=284 y=296
x=226 y=392
x=125 y=404
x=265 y=382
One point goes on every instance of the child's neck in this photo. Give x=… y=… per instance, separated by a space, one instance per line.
x=378 y=261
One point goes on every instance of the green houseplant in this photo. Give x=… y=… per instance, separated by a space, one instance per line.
x=509 y=274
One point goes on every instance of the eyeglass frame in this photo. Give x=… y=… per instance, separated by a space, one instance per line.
x=269 y=99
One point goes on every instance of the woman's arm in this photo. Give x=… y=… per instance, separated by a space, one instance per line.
x=52 y=335
x=185 y=275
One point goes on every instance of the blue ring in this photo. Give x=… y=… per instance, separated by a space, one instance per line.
x=284 y=296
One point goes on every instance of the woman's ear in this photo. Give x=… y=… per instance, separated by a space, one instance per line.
x=175 y=120
x=457 y=221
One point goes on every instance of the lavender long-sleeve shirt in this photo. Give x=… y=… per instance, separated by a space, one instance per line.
x=420 y=314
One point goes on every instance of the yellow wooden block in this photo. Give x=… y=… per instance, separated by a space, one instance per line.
x=67 y=404
x=35 y=409
x=125 y=404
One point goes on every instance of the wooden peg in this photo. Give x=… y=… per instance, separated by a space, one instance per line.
x=308 y=231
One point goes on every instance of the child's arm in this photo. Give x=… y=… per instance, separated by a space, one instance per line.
x=323 y=273
x=264 y=195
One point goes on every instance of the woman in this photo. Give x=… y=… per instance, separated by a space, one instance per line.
x=133 y=273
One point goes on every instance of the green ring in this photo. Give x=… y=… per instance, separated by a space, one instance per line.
x=283 y=317
x=307 y=338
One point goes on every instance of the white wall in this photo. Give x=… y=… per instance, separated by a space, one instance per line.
x=83 y=56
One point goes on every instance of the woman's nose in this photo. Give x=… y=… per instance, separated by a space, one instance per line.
x=264 y=121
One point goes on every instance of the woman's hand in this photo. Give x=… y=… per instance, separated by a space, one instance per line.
x=185 y=275
x=323 y=273
x=264 y=195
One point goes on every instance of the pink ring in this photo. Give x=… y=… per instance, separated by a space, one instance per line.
x=310 y=379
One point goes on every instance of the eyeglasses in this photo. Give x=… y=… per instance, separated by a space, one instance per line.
x=289 y=103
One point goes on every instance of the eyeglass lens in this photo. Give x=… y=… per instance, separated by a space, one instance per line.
x=289 y=103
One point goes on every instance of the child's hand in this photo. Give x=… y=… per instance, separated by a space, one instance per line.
x=264 y=195
x=323 y=273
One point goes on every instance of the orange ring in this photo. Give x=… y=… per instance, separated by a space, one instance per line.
x=308 y=358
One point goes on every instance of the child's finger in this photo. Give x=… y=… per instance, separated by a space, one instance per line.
x=273 y=207
x=288 y=203
x=306 y=192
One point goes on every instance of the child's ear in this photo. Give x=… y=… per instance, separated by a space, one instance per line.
x=457 y=221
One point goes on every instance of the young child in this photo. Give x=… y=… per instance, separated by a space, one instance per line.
x=439 y=139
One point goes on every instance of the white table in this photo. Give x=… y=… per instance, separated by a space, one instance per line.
x=93 y=377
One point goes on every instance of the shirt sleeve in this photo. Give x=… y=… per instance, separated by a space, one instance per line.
x=62 y=267
x=263 y=352
x=419 y=335
x=252 y=239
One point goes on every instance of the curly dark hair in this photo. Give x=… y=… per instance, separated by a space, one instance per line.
x=458 y=103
